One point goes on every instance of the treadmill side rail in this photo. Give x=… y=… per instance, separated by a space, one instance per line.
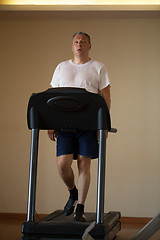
x=101 y=177
x=32 y=175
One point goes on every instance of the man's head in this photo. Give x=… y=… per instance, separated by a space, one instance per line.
x=81 y=44
x=82 y=33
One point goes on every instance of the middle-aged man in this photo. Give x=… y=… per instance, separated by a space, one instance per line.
x=80 y=72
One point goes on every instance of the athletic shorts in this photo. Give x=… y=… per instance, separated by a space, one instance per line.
x=83 y=143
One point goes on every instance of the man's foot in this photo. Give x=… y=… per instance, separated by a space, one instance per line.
x=79 y=217
x=70 y=205
x=79 y=213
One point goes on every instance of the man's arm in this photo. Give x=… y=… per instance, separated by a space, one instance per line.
x=105 y=92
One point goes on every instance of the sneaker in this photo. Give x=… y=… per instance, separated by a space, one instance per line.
x=79 y=217
x=70 y=205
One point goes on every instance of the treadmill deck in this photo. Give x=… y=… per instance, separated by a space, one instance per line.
x=57 y=225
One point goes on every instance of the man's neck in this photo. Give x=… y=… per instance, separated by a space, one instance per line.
x=77 y=60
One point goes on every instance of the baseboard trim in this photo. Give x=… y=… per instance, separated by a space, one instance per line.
x=18 y=216
x=12 y=216
x=22 y=217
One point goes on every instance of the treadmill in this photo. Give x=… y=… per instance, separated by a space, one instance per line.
x=69 y=110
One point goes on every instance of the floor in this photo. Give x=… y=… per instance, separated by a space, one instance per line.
x=11 y=230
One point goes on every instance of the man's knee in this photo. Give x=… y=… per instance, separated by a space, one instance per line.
x=64 y=161
x=84 y=163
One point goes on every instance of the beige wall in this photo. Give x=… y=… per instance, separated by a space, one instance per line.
x=31 y=45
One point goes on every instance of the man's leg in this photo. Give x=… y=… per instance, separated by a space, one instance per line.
x=84 y=164
x=64 y=163
x=83 y=185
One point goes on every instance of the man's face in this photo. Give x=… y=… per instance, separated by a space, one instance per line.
x=80 y=45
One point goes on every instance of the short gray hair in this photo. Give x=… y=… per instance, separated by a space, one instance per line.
x=82 y=33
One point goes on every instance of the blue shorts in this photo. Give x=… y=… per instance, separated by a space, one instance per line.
x=83 y=143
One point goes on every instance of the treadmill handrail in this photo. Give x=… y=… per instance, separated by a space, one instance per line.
x=45 y=110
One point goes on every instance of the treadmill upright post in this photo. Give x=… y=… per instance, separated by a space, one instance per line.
x=32 y=175
x=101 y=177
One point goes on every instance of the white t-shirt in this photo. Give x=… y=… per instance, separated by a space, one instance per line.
x=91 y=75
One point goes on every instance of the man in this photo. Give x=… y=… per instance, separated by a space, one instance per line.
x=81 y=72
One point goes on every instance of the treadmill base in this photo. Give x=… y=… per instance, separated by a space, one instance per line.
x=57 y=226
